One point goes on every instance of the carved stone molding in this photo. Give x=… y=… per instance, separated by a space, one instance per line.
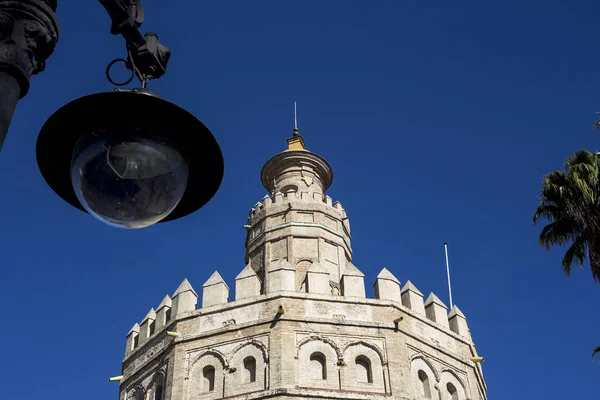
x=28 y=36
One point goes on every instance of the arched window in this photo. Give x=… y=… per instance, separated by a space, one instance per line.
x=249 y=374
x=452 y=391
x=208 y=375
x=363 y=370
x=318 y=368
x=158 y=392
x=425 y=384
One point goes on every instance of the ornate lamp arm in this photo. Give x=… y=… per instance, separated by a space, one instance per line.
x=28 y=36
x=147 y=57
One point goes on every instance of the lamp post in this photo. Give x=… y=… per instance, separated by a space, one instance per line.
x=128 y=157
x=28 y=36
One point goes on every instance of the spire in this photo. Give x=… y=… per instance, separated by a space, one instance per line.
x=296 y=142
x=296 y=131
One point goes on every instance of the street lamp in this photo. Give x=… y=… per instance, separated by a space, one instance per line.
x=128 y=157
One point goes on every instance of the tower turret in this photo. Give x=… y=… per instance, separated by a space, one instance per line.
x=301 y=325
x=296 y=222
x=296 y=170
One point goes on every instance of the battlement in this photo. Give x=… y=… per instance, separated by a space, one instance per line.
x=281 y=280
x=278 y=200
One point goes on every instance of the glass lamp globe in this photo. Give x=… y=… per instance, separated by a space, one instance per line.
x=129 y=158
x=128 y=183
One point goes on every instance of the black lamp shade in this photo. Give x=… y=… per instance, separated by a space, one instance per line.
x=125 y=113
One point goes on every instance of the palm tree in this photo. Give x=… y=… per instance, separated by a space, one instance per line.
x=570 y=201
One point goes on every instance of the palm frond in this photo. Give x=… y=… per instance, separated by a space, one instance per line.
x=576 y=253
x=596 y=351
x=594 y=257
x=559 y=233
x=549 y=211
x=570 y=202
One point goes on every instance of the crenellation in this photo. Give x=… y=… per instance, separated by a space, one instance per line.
x=436 y=310
x=458 y=322
x=282 y=276
x=301 y=325
x=267 y=201
x=247 y=284
x=147 y=325
x=163 y=312
x=412 y=298
x=132 y=338
x=184 y=299
x=317 y=279
x=353 y=282
x=387 y=286
x=338 y=206
x=214 y=291
x=271 y=205
x=349 y=344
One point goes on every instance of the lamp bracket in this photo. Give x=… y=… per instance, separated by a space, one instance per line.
x=147 y=57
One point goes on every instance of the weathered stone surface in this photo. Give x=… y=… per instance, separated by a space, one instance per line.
x=318 y=279
x=412 y=298
x=353 y=281
x=436 y=310
x=214 y=291
x=163 y=312
x=184 y=298
x=301 y=337
x=387 y=286
x=247 y=284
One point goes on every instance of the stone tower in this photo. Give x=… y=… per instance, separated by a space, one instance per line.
x=297 y=223
x=300 y=325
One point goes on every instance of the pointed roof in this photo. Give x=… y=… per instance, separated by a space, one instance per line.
x=317 y=268
x=281 y=264
x=166 y=302
x=184 y=287
x=215 y=279
x=351 y=270
x=408 y=286
x=387 y=275
x=455 y=311
x=433 y=299
x=247 y=272
x=134 y=329
x=151 y=315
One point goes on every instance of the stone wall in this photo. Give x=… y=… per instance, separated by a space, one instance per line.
x=303 y=344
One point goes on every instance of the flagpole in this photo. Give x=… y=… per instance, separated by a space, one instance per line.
x=448 y=272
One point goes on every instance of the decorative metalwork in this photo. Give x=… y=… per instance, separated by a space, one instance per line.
x=147 y=58
x=28 y=36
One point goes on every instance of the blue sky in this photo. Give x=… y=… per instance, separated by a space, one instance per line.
x=439 y=120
